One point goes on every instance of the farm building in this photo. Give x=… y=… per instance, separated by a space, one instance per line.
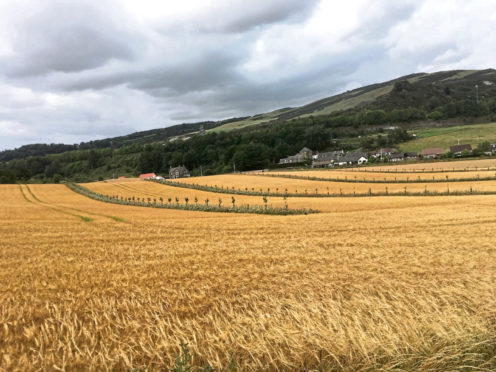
x=432 y=152
x=411 y=155
x=385 y=151
x=304 y=154
x=178 y=172
x=357 y=157
x=396 y=157
x=458 y=149
x=325 y=159
x=150 y=176
x=493 y=147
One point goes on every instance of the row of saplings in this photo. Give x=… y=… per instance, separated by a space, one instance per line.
x=318 y=193
x=148 y=201
x=175 y=203
x=355 y=179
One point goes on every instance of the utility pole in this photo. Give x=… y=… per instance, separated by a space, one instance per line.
x=477 y=93
x=201 y=171
x=234 y=167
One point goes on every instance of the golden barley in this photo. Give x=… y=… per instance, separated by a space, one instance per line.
x=369 y=283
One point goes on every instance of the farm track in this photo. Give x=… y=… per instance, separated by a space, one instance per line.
x=65 y=209
x=37 y=201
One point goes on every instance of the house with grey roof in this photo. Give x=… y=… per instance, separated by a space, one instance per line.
x=326 y=159
x=303 y=155
x=356 y=157
x=178 y=172
x=396 y=157
x=459 y=149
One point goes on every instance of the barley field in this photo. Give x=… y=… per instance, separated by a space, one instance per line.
x=369 y=283
x=364 y=175
x=475 y=164
x=303 y=187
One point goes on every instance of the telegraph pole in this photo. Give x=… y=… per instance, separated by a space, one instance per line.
x=477 y=94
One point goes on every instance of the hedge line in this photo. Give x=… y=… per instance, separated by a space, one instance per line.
x=255 y=209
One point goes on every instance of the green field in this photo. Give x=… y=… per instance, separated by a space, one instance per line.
x=237 y=125
x=254 y=120
x=448 y=136
x=352 y=101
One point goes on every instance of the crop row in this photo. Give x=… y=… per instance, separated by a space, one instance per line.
x=190 y=205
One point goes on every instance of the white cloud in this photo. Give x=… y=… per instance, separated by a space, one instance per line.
x=12 y=128
x=447 y=34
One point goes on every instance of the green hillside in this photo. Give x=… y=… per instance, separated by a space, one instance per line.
x=432 y=93
x=448 y=136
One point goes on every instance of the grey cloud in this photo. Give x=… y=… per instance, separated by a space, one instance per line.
x=209 y=70
x=210 y=87
x=375 y=28
x=323 y=78
x=240 y=16
x=67 y=37
x=263 y=13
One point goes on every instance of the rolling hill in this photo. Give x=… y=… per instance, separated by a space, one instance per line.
x=460 y=84
x=438 y=107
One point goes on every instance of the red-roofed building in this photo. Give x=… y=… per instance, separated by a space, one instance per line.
x=147 y=176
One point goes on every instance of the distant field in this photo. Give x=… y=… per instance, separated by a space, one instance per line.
x=353 y=101
x=254 y=120
x=238 y=125
x=387 y=176
x=447 y=136
x=448 y=165
x=371 y=283
x=302 y=187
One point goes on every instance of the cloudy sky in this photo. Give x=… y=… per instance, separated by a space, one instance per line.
x=77 y=70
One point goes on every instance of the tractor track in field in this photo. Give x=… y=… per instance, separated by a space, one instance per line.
x=37 y=201
x=67 y=210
